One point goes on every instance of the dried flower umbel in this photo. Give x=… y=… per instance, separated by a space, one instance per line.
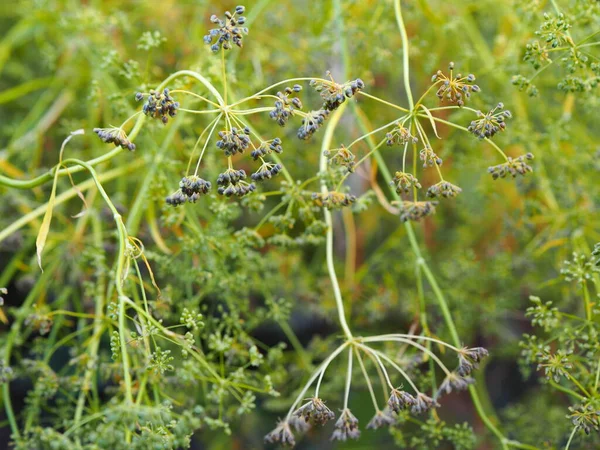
x=490 y=123
x=333 y=199
x=315 y=411
x=415 y=211
x=230 y=30
x=234 y=141
x=513 y=167
x=231 y=182
x=346 y=427
x=381 y=419
x=159 y=104
x=115 y=136
x=312 y=122
x=454 y=88
x=286 y=106
x=335 y=94
x=469 y=359
x=429 y=158
x=341 y=157
x=400 y=136
x=404 y=182
x=281 y=434
x=266 y=148
x=443 y=189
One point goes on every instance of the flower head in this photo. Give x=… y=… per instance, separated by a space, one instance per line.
x=469 y=359
x=231 y=182
x=490 y=123
x=443 y=189
x=514 y=167
x=115 y=136
x=454 y=382
x=400 y=400
x=381 y=419
x=312 y=122
x=281 y=434
x=333 y=199
x=454 y=88
x=228 y=30
x=190 y=190
x=315 y=411
x=234 y=141
x=400 y=136
x=335 y=94
x=159 y=105
x=404 y=182
x=346 y=427
x=423 y=403
x=266 y=171
x=286 y=106
x=341 y=157
x=416 y=210
x=429 y=158
x=266 y=148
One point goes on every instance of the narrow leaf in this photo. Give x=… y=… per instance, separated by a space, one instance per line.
x=431 y=120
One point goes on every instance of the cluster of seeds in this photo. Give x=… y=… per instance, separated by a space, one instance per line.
x=443 y=189
x=400 y=136
x=234 y=141
x=333 y=199
x=341 y=157
x=455 y=89
x=266 y=148
x=228 y=31
x=115 y=136
x=429 y=158
x=404 y=182
x=231 y=182
x=381 y=419
x=335 y=94
x=346 y=427
x=315 y=411
x=312 y=122
x=491 y=123
x=400 y=400
x=454 y=382
x=514 y=167
x=469 y=359
x=159 y=105
x=190 y=190
x=286 y=105
x=266 y=172
x=281 y=434
x=416 y=210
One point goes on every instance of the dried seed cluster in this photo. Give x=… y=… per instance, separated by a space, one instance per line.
x=231 y=182
x=416 y=210
x=455 y=89
x=286 y=106
x=454 y=382
x=266 y=171
x=443 y=189
x=281 y=434
x=429 y=158
x=266 y=148
x=230 y=30
x=190 y=190
x=514 y=167
x=333 y=199
x=115 y=136
x=381 y=419
x=341 y=157
x=404 y=182
x=312 y=122
x=159 y=104
x=469 y=359
x=234 y=141
x=335 y=94
x=400 y=136
x=490 y=123
x=315 y=411
x=346 y=427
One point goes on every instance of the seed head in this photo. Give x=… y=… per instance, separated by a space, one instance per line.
x=115 y=136
x=312 y=122
x=231 y=182
x=314 y=411
x=335 y=94
x=404 y=182
x=346 y=427
x=423 y=403
x=332 y=199
x=400 y=400
x=266 y=171
x=443 y=189
x=400 y=136
x=454 y=88
x=234 y=141
x=469 y=359
x=429 y=158
x=229 y=30
x=341 y=157
x=266 y=148
x=514 y=167
x=415 y=211
x=286 y=106
x=454 y=382
x=381 y=419
x=490 y=123
x=159 y=105
x=281 y=434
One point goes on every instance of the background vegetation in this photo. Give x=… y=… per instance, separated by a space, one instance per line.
x=230 y=303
